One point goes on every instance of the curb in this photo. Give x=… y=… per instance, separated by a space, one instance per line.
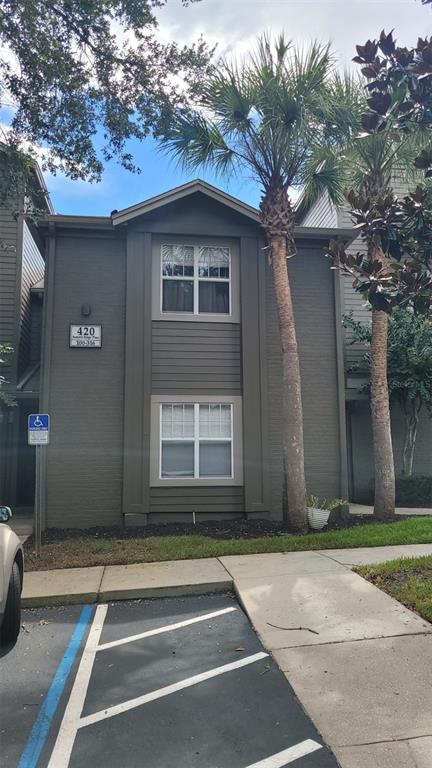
x=136 y=593
x=181 y=590
x=50 y=601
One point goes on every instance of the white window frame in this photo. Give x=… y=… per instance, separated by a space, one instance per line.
x=156 y=480
x=195 y=279
x=196 y=440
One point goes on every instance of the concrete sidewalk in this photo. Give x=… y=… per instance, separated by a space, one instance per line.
x=365 y=509
x=359 y=662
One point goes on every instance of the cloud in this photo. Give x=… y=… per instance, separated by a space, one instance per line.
x=234 y=24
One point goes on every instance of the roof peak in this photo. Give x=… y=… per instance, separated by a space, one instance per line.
x=184 y=190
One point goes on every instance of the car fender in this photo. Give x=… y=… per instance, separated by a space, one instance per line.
x=10 y=550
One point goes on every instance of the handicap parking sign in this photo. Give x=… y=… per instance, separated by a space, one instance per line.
x=38 y=428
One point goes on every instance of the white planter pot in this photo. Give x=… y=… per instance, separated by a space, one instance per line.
x=318 y=518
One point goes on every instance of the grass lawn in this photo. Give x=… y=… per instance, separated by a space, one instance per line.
x=91 y=550
x=409 y=580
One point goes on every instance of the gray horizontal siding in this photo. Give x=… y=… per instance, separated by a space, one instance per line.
x=194 y=357
x=85 y=457
x=185 y=500
x=312 y=288
x=32 y=271
x=353 y=302
x=8 y=276
x=322 y=214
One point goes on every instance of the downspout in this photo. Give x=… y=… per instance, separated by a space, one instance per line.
x=46 y=347
x=340 y=376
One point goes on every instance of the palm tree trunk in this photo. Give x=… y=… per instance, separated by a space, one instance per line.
x=292 y=410
x=381 y=426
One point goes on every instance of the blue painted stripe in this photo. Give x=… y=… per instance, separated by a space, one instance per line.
x=39 y=733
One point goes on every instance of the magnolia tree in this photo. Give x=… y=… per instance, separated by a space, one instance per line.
x=394 y=267
x=391 y=273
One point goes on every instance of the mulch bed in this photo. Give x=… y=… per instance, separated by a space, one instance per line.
x=217 y=529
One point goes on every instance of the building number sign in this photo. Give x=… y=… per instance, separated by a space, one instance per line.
x=85 y=336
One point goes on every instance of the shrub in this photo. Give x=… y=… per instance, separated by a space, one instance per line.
x=414 y=491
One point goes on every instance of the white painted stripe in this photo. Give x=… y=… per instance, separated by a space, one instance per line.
x=118 y=709
x=167 y=628
x=66 y=736
x=288 y=755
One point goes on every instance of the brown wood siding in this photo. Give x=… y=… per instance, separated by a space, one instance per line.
x=32 y=270
x=84 y=459
x=217 y=500
x=190 y=358
x=314 y=309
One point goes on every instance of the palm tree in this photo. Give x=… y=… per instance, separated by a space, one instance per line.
x=374 y=162
x=279 y=117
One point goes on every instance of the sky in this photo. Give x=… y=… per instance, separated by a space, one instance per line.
x=234 y=25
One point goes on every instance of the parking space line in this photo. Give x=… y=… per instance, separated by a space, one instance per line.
x=69 y=726
x=125 y=706
x=288 y=755
x=48 y=709
x=168 y=628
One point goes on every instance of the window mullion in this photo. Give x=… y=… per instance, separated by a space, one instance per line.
x=196 y=283
x=196 y=440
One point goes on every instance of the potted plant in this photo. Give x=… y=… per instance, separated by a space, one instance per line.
x=319 y=510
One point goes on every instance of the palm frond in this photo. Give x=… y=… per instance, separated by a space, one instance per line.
x=229 y=98
x=377 y=160
x=195 y=141
x=323 y=172
x=274 y=114
x=342 y=106
x=309 y=70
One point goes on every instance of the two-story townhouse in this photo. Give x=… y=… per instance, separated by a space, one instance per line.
x=176 y=413
x=359 y=428
x=21 y=288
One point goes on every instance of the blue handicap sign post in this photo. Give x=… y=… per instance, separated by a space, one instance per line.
x=38 y=429
x=38 y=426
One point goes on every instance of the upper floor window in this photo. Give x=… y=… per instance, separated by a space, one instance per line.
x=196 y=279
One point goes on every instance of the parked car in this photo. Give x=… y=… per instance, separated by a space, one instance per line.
x=11 y=579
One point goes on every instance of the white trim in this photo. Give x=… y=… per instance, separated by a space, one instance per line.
x=160 y=693
x=197 y=439
x=223 y=242
x=236 y=442
x=168 y=628
x=196 y=280
x=153 y=203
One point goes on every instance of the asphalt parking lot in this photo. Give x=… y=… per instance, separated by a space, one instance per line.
x=162 y=683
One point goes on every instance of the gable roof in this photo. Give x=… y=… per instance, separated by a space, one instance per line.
x=178 y=193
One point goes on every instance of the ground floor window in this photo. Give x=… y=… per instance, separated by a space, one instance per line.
x=196 y=440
